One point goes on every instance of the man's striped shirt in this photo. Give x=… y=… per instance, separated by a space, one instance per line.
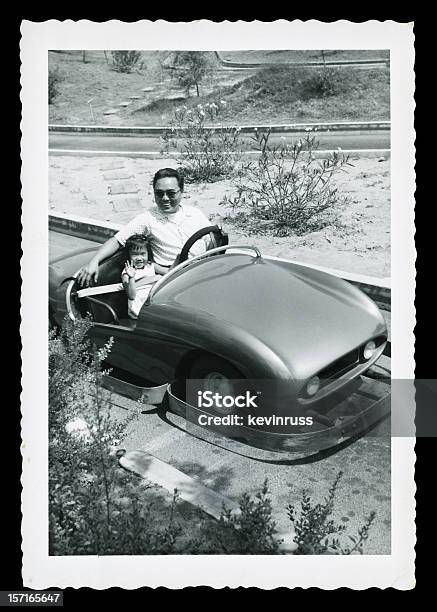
x=168 y=232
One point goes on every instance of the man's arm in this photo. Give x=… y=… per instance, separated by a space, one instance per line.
x=208 y=239
x=90 y=272
x=160 y=269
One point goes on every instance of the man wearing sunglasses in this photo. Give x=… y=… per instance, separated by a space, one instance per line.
x=168 y=225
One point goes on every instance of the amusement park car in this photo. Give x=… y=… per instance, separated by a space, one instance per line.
x=230 y=318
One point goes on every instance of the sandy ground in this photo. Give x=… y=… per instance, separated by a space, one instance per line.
x=359 y=243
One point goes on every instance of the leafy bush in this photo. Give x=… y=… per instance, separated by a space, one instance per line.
x=95 y=506
x=207 y=153
x=251 y=531
x=55 y=78
x=323 y=83
x=125 y=61
x=287 y=190
x=314 y=527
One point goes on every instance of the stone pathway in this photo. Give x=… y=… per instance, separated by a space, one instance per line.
x=164 y=90
x=136 y=101
x=121 y=187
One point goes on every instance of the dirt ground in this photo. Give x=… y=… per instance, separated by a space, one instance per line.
x=359 y=243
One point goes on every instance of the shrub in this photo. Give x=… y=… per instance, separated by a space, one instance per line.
x=125 y=61
x=323 y=83
x=55 y=78
x=95 y=507
x=207 y=153
x=287 y=190
x=251 y=531
x=314 y=527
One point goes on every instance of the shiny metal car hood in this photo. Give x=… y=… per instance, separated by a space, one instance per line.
x=307 y=317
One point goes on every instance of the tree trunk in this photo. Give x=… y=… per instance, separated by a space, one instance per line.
x=197 y=89
x=323 y=58
x=84 y=57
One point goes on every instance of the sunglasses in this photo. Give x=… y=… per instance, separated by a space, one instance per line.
x=170 y=194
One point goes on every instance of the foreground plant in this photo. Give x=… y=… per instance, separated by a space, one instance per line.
x=315 y=530
x=286 y=190
x=250 y=531
x=95 y=507
x=207 y=152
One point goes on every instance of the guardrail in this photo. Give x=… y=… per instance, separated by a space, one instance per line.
x=335 y=126
x=82 y=227
x=99 y=231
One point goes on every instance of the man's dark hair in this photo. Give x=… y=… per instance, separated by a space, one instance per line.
x=138 y=240
x=169 y=173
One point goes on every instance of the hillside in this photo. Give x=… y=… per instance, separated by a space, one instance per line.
x=275 y=94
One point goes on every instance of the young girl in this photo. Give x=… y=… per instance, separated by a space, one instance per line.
x=138 y=266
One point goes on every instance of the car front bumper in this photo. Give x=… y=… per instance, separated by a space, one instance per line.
x=350 y=418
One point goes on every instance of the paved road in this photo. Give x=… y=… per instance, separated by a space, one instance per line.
x=378 y=139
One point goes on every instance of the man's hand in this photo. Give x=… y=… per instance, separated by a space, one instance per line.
x=88 y=273
x=174 y=264
x=160 y=269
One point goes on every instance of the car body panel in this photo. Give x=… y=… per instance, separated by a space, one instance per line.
x=61 y=267
x=165 y=334
x=300 y=314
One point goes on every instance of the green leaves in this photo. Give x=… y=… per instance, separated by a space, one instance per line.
x=251 y=531
x=207 y=153
x=314 y=527
x=125 y=61
x=286 y=187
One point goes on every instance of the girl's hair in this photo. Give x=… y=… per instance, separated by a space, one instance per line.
x=138 y=241
x=169 y=173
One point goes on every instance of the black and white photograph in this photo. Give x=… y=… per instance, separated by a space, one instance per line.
x=213 y=220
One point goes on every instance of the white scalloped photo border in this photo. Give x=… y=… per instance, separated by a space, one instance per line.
x=41 y=571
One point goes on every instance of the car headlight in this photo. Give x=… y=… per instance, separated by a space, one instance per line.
x=369 y=349
x=312 y=386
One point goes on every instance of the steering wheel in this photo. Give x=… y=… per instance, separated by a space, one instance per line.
x=220 y=239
